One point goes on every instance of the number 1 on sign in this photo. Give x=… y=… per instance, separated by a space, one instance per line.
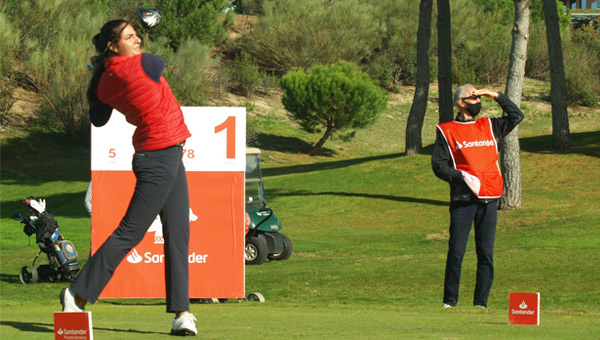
x=229 y=125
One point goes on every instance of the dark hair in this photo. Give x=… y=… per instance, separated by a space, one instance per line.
x=108 y=33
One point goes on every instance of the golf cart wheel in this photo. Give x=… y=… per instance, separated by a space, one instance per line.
x=287 y=250
x=255 y=297
x=28 y=275
x=256 y=250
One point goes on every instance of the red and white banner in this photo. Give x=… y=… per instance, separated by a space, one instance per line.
x=215 y=162
x=524 y=309
x=73 y=326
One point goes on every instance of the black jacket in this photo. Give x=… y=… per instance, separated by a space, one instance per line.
x=441 y=160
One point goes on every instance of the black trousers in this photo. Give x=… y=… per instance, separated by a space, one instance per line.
x=161 y=189
x=462 y=215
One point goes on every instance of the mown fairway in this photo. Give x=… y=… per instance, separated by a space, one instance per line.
x=369 y=228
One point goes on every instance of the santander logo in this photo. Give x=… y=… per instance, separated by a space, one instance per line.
x=148 y=257
x=474 y=144
x=134 y=257
x=523 y=310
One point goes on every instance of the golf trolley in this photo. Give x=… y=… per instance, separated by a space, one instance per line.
x=263 y=239
x=62 y=256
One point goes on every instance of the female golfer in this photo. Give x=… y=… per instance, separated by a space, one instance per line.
x=130 y=81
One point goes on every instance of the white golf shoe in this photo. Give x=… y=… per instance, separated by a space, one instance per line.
x=184 y=325
x=67 y=300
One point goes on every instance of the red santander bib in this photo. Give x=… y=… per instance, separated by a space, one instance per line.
x=474 y=152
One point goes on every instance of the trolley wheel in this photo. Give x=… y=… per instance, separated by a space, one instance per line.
x=209 y=300
x=28 y=275
x=71 y=275
x=255 y=297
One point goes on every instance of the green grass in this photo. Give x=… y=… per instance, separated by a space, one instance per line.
x=369 y=228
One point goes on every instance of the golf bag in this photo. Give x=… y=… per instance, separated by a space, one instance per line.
x=62 y=256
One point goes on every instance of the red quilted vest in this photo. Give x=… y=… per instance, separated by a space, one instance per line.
x=148 y=105
x=474 y=151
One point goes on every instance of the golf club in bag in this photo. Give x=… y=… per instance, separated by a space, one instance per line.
x=62 y=256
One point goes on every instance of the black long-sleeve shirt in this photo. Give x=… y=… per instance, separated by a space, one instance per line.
x=441 y=160
x=153 y=66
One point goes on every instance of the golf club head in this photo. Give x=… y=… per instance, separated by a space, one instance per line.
x=149 y=17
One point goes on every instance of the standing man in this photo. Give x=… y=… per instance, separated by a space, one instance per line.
x=465 y=155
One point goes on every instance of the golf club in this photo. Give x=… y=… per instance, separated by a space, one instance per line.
x=149 y=17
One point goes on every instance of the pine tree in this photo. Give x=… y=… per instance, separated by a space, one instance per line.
x=337 y=97
x=203 y=20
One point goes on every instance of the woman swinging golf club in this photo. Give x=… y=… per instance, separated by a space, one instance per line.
x=130 y=81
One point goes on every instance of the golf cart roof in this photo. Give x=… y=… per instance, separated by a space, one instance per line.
x=252 y=151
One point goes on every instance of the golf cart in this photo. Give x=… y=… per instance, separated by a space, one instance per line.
x=263 y=239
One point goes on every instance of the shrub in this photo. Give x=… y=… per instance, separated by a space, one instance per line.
x=581 y=48
x=57 y=68
x=480 y=45
x=9 y=39
x=394 y=62
x=537 y=65
x=244 y=76
x=337 y=98
x=302 y=33
x=186 y=69
x=205 y=21
x=582 y=67
x=248 y=7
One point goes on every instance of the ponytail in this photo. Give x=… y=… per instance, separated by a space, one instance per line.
x=109 y=33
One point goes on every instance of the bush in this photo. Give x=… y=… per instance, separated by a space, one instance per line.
x=248 y=7
x=57 y=68
x=581 y=48
x=480 y=46
x=582 y=67
x=394 y=62
x=302 y=33
x=337 y=98
x=537 y=65
x=205 y=21
x=9 y=39
x=186 y=69
x=244 y=76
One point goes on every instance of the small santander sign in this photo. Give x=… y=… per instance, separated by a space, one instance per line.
x=73 y=326
x=524 y=309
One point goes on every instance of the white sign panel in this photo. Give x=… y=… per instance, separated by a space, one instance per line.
x=218 y=142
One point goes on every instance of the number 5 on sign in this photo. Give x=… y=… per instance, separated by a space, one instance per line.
x=219 y=140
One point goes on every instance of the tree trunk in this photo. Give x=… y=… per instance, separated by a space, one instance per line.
x=510 y=159
x=414 y=125
x=446 y=105
x=561 y=138
x=323 y=139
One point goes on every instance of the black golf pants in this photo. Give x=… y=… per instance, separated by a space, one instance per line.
x=462 y=215
x=161 y=189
